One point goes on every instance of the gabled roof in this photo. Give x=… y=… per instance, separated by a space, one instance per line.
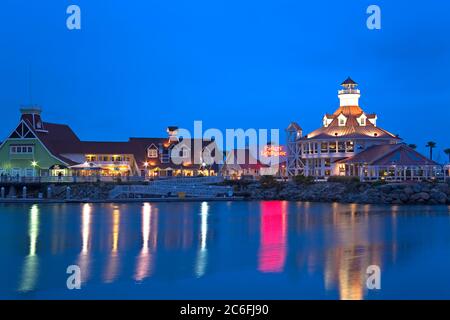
x=295 y=126
x=390 y=154
x=61 y=136
x=139 y=146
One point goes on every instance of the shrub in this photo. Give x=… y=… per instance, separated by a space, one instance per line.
x=300 y=179
x=344 y=179
x=268 y=182
x=378 y=183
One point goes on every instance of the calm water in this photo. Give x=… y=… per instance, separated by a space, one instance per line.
x=220 y=250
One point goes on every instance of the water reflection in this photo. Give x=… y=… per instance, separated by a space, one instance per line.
x=84 y=257
x=184 y=247
x=146 y=257
x=202 y=253
x=272 y=252
x=31 y=263
x=355 y=248
x=113 y=263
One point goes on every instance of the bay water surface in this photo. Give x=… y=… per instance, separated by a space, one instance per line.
x=224 y=250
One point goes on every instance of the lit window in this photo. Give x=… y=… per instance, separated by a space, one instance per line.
x=21 y=149
x=152 y=153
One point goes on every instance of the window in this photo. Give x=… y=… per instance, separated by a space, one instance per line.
x=350 y=146
x=21 y=149
x=152 y=153
x=29 y=172
x=342 y=120
x=332 y=147
x=363 y=121
x=16 y=172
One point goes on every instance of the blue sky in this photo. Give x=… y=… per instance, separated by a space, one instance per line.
x=138 y=66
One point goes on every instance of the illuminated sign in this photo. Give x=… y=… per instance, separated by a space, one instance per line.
x=273 y=151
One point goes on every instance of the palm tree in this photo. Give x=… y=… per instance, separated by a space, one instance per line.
x=431 y=145
x=412 y=146
x=447 y=152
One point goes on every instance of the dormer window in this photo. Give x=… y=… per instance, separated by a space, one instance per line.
x=342 y=120
x=326 y=121
x=152 y=152
x=362 y=120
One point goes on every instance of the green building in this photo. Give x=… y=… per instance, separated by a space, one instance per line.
x=26 y=152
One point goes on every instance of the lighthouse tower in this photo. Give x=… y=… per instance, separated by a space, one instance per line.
x=349 y=96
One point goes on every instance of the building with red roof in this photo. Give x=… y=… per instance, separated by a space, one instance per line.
x=350 y=143
x=38 y=148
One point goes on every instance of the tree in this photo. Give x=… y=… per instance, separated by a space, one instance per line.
x=412 y=146
x=431 y=145
x=447 y=152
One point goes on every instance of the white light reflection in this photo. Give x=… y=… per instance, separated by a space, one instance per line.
x=202 y=255
x=144 y=261
x=31 y=263
x=113 y=262
x=83 y=258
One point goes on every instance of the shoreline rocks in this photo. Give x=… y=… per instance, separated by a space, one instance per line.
x=406 y=193
x=364 y=193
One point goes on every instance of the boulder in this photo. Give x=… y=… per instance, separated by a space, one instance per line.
x=408 y=191
x=420 y=197
x=439 y=196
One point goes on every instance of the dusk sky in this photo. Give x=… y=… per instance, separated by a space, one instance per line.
x=137 y=67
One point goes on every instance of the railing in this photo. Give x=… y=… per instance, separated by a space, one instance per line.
x=349 y=91
x=83 y=179
x=189 y=191
x=191 y=187
x=71 y=179
x=116 y=163
x=189 y=180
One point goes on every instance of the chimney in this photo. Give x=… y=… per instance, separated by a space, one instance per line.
x=32 y=115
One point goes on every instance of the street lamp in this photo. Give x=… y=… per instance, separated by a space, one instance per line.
x=34 y=164
x=146 y=170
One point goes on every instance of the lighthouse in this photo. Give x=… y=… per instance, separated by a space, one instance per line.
x=349 y=96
